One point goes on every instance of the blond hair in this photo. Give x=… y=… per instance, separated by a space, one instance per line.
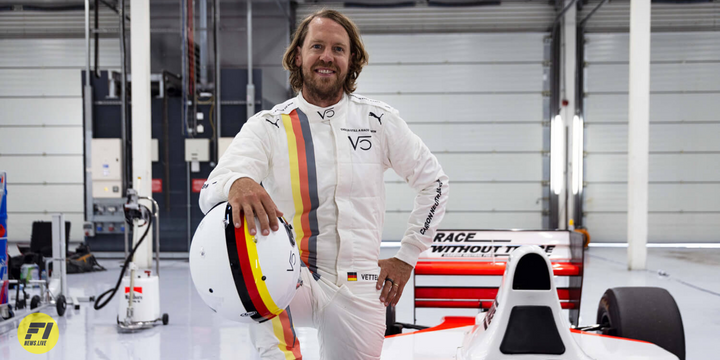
x=358 y=55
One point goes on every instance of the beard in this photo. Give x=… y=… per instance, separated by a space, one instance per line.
x=324 y=89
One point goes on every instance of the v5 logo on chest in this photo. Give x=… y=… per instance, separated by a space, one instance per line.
x=363 y=142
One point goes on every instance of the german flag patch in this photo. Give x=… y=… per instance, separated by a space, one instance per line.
x=352 y=276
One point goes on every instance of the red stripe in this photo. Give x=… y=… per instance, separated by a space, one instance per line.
x=483 y=268
x=607 y=336
x=468 y=293
x=470 y=304
x=291 y=342
x=449 y=322
x=304 y=189
x=247 y=274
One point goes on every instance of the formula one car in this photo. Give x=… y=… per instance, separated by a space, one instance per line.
x=524 y=317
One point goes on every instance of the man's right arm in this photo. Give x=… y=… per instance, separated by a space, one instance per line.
x=248 y=156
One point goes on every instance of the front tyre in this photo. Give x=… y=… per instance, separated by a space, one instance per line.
x=643 y=313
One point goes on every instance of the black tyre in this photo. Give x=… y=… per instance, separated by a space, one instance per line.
x=34 y=302
x=391 y=328
x=61 y=305
x=165 y=319
x=643 y=313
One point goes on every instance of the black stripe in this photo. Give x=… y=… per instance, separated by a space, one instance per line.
x=235 y=266
x=313 y=192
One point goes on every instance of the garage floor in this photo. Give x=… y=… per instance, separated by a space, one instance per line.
x=691 y=275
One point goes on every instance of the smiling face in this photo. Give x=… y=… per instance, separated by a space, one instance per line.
x=324 y=58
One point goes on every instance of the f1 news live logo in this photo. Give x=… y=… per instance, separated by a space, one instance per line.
x=38 y=333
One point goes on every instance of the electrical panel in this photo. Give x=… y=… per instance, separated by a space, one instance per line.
x=197 y=150
x=107 y=168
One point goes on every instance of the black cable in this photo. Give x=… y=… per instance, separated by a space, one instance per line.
x=124 y=268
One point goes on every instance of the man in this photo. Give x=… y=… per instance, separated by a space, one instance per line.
x=321 y=157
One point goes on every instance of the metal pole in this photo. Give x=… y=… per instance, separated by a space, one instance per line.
x=188 y=206
x=250 y=85
x=141 y=115
x=123 y=99
x=87 y=123
x=156 y=215
x=87 y=41
x=218 y=73
x=203 y=43
x=569 y=27
x=638 y=133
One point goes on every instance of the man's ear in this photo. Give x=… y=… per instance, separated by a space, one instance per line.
x=298 y=57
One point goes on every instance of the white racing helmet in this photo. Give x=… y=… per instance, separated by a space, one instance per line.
x=243 y=277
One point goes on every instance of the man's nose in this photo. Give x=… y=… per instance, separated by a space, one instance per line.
x=326 y=56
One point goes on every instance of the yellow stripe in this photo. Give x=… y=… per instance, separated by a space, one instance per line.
x=257 y=274
x=294 y=179
x=280 y=335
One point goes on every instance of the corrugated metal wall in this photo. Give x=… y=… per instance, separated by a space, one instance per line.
x=510 y=16
x=41 y=137
x=684 y=196
x=476 y=100
x=614 y=16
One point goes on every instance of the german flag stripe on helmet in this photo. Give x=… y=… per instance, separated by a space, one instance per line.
x=245 y=267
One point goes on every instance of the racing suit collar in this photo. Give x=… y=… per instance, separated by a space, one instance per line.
x=316 y=113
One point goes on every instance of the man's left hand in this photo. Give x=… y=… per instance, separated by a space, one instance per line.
x=394 y=274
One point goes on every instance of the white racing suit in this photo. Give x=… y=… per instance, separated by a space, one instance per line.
x=323 y=168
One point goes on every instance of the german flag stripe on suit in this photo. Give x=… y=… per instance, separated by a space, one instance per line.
x=303 y=175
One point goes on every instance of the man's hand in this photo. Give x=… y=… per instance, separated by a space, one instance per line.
x=399 y=272
x=248 y=196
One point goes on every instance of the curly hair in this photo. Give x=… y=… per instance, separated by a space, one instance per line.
x=358 y=57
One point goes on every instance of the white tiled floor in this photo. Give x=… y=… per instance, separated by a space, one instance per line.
x=195 y=332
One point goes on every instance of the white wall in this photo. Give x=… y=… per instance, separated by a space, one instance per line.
x=41 y=137
x=684 y=173
x=476 y=100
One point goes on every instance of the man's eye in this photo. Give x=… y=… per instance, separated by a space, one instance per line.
x=339 y=49
x=316 y=46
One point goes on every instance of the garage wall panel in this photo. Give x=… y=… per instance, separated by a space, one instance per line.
x=40 y=82
x=41 y=111
x=663 y=137
x=451 y=78
x=57 y=53
x=663 y=77
x=481 y=137
x=476 y=101
x=662 y=228
x=41 y=137
x=468 y=108
x=39 y=140
x=486 y=167
x=674 y=47
x=662 y=167
x=44 y=198
x=684 y=163
x=460 y=47
x=50 y=169
x=676 y=107
x=473 y=197
x=661 y=197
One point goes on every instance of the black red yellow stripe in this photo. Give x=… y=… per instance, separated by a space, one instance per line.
x=303 y=176
x=247 y=273
x=284 y=331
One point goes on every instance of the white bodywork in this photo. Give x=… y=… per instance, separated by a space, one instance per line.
x=482 y=341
